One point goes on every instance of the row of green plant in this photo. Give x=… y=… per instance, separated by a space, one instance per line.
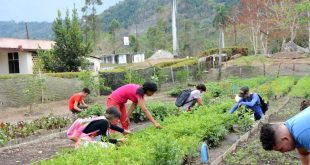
x=12 y=76
x=68 y=75
x=170 y=63
x=276 y=88
x=230 y=51
x=23 y=129
x=179 y=138
x=302 y=88
x=230 y=87
x=159 y=110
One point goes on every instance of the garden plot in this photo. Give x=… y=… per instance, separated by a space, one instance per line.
x=252 y=151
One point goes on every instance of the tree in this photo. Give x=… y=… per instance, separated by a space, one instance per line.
x=220 y=21
x=134 y=43
x=251 y=15
x=304 y=8
x=90 y=17
x=114 y=25
x=70 y=48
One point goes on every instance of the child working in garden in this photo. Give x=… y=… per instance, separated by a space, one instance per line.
x=85 y=130
x=76 y=102
x=285 y=137
x=194 y=97
x=134 y=93
x=251 y=101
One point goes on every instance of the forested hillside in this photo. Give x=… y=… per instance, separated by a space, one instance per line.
x=37 y=30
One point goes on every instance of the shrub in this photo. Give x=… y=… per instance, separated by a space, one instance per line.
x=301 y=89
x=181 y=76
x=94 y=110
x=230 y=51
x=175 y=91
x=133 y=77
x=68 y=75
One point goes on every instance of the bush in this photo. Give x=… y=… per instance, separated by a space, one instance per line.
x=133 y=77
x=94 y=110
x=181 y=76
x=230 y=51
x=158 y=110
x=175 y=91
x=301 y=89
x=68 y=75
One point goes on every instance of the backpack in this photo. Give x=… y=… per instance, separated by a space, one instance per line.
x=264 y=105
x=181 y=99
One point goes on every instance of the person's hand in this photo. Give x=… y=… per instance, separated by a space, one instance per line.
x=122 y=140
x=157 y=125
x=126 y=132
x=86 y=106
x=239 y=105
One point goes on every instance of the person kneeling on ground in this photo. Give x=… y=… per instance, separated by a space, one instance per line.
x=284 y=137
x=250 y=101
x=134 y=93
x=85 y=130
x=76 y=101
x=194 y=97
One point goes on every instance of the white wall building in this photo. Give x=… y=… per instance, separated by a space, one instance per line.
x=17 y=55
x=95 y=63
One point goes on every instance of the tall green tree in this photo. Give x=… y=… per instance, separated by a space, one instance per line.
x=70 y=48
x=220 y=21
x=90 y=19
x=114 y=25
x=134 y=43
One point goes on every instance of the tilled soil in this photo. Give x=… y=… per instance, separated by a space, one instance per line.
x=30 y=152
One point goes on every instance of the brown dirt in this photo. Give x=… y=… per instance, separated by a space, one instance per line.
x=60 y=108
x=46 y=149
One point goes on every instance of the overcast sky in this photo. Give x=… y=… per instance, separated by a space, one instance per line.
x=42 y=10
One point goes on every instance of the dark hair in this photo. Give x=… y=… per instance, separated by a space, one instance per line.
x=304 y=104
x=201 y=87
x=113 y=112
x=267 y=137
x=86 y=90
x=243 y=91
x=149 y=86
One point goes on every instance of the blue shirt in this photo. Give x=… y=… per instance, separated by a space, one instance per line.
x=299 y=127
x=253 y=103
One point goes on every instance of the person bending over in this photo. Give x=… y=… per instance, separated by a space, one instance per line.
x=284 y=137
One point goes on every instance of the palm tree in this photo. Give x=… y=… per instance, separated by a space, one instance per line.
x=220 y=21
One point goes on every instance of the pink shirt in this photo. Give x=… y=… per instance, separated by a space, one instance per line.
x=126 y=92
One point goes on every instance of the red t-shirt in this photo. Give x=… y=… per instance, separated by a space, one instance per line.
x=76 y=97
x=126 y=92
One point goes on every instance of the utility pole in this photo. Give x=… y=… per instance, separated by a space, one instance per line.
x=174 y=29
x=27 y=33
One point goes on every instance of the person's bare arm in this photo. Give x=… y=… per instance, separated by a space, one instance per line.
x=83 y=103
x=147 y=112
x=76 y=106
x=131 y=109
x=199 y=101
x=304 y=156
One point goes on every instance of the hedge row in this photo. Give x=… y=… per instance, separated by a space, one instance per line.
x=230 y=51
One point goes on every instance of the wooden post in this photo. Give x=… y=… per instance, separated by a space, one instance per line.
x=172 y=77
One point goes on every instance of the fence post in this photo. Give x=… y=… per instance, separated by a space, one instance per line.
x=172 y=77
x=240 y=71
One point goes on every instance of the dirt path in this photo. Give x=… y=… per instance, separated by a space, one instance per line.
x=30 y=152
x=60 y=108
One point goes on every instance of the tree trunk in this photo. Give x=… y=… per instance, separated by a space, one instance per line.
x=223 y=39
x=235 y=34
x=220 y=53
